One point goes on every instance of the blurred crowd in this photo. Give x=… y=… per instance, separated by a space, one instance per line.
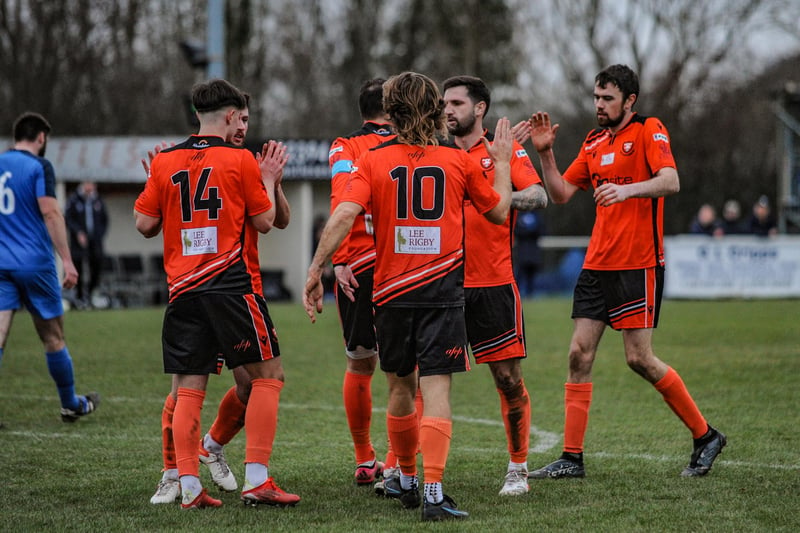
x=732 y=222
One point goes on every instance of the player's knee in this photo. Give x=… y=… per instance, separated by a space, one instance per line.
x=364 y=365
x=507 y=375
x=637 y=363
x=508 y=384
x=580 y=358
x=243 y=391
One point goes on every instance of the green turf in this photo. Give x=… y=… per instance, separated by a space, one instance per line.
x=740 y=360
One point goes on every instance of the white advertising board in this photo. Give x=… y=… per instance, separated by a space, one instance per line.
x=732 y=267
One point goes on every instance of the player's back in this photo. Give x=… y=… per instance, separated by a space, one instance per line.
x=358 y=250
x=24 y=240
x=417 y=197
x=205 y=190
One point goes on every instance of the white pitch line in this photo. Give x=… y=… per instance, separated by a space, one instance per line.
x=546 y=439
x=43 y=436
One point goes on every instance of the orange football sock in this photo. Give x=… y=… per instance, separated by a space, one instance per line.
x=391 y=459
x=577 y=399
x=357 y=395
x=230 y=418
x=515 y=406
x=419 y=405
x=167 y=442
x=186 y=430
x=261 y=420
x=674 y=392
x=404 y=438
x=434 y=440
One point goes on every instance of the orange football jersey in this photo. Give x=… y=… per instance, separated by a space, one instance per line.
x=627 y=235
x=358 y=248
x=488 y=246
x=417 y=198
x=204 y=191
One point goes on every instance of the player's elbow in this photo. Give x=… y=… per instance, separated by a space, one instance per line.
x=559 y=200
x=263 y=222
x=148 y=226
x=672 y=184
x=282 y=220
x=498 y=214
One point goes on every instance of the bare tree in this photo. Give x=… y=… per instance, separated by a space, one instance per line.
x=683 y=50
x=95 y=67
x=692 y=57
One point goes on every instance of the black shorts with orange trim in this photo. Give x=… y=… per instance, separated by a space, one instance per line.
x=495 y=327
x=623 y=299
x=433 y=339
x=357 y=318
x=200 y=329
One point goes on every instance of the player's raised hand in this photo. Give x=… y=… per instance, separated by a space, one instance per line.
x=272 y=160
x=151 y=154
x=543 y=134
x=521 y=131
x=501 y=149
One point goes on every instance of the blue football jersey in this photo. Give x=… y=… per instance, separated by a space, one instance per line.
x=24 y=241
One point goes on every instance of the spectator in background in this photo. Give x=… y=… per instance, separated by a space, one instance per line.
x=705 y=222
x=87 y=222
x=762 y=223
x=527 y=252
x=731 y=223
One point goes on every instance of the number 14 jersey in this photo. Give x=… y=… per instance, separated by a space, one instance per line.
x=204 y=191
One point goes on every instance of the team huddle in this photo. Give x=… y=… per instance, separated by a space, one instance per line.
x=424 y=199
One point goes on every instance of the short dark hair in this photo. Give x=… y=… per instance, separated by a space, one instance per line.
x=216 y=94
x=370 y=98
x=622 y=76
x=476 y=88
x=29 y=125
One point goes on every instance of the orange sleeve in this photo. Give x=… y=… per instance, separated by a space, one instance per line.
x=658 y=149
x=578 y=172
x=255 y=195
x=523 y=173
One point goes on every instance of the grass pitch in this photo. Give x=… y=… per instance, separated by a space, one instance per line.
x=739 y=359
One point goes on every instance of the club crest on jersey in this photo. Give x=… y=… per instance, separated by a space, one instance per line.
x=486 y=162
x=627 y=147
